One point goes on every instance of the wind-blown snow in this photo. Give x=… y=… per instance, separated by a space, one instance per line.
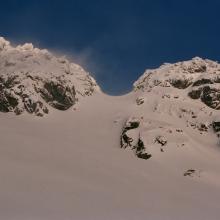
x=70 y=165
x=30 y=78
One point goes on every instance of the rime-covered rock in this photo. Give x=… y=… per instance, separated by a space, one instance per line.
x=198 y=78
x=32 y=80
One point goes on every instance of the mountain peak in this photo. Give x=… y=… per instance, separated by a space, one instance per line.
x=32 y=80
x=198 y=78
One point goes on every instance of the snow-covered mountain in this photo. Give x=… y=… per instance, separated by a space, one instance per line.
x=175 y=101
x=199 y=78
x=31 y=78
x=151 y=154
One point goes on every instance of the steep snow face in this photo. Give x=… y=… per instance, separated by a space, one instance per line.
x=31 y=78
x=200 y=79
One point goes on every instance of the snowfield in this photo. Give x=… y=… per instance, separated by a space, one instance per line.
x=151 y=154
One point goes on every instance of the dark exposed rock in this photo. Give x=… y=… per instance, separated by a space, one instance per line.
x=32 y=106
x=211 y=97
x=195 y=94
x=14 y=97
x=8 y=82
x=180 y=83
x=7 y=102
x=161 y=140
x=132 y=124
x=58 y=96
x=189 y=172
x=201 y=69
x=126 y=141
x=13 y=102
x=141 y=151
x=197 y=67
x=133 y=142
x=202 y=82
x=203 y=127
x=140 y=100
x=144 y=156
x=217 y=80
x=216 y=126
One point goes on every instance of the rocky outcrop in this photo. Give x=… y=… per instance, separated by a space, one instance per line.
x=202 y=82
x=140 y=100
x=208 y=95
x=216 y=126
x=211 y=97
x=161 y=140
x=58 y=95
x=140 y=150
x=192 y=173
x=15 y=97
x=189 y=173
x=195 y=93
x=180 y=83
x=131 y=138
x=32 y=80
x=198 y=78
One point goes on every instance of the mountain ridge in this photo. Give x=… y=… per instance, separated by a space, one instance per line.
x=58 y=78
x=32 y=79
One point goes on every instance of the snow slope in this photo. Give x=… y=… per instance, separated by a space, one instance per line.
x=70 y=164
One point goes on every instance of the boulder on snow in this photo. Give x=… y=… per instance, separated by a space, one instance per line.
x=216 y=126
x=141 y=151
x=140 y=100
x=161 y=140
x=192 y=173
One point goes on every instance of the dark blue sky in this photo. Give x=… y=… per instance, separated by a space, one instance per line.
x=116 y=40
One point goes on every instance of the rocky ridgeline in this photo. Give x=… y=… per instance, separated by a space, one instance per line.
x=199 y=78
x=172 y=102
x=31 y=80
